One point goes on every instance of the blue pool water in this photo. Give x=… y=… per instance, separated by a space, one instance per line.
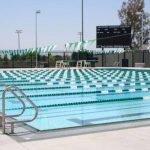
x=80 y=97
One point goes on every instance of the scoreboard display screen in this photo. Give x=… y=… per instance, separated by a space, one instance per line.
x=113 y=37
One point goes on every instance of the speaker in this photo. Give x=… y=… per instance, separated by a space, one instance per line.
x=125 y=63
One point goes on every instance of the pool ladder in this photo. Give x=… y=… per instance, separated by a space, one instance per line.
x=4 y=118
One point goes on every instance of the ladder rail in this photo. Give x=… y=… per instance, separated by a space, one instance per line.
x=4 y=116
x=20 y=100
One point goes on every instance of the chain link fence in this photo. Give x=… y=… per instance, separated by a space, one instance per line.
x=97 y=60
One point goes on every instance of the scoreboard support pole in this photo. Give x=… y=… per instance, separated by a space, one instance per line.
x=143 y=57
x=124 y=54
x=102 y=57
x=132 y=58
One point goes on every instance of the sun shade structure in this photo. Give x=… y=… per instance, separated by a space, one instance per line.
x=46 y=49
x=109 y=51
x=78 y=45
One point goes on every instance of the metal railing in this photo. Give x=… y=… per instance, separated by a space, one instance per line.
x=4 y=116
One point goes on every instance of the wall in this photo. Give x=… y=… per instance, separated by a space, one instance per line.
x=111 y=60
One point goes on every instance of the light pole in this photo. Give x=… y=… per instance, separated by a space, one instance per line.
x=80 y=36
x=36 y=35
x=82 y=33
x=18 y=33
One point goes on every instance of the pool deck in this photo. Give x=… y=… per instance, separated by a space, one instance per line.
x=127 y=139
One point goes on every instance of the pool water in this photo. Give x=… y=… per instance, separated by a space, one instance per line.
x=80 y=97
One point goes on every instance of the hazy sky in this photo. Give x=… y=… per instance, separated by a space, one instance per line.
x=58 y=23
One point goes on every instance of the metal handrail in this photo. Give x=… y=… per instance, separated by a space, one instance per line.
x=21 y=101
x=4 y=116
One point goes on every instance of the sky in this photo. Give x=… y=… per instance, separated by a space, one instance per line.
x=58 y=23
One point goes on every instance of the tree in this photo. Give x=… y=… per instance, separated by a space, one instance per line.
x=128 y=15
x=1 y=58
x=74 y=56
x=6 y=61
x=6 y=58
x=58 y=57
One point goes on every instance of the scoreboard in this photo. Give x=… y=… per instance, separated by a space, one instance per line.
x=113 y=37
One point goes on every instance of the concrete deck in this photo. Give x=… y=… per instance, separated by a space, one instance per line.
x=127 y=139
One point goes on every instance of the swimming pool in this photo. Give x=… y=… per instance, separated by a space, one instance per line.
x=80 y=97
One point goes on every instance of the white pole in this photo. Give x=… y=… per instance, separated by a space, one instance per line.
x=82 y=24
x=80 y=36
x=18 y=33
x=36 y=36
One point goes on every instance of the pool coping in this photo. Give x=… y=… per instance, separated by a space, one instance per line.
x=25 y=133
x=130 y=68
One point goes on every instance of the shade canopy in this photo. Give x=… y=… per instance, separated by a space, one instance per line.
x=46 y=49
x=107 y=51
x=78 y=45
